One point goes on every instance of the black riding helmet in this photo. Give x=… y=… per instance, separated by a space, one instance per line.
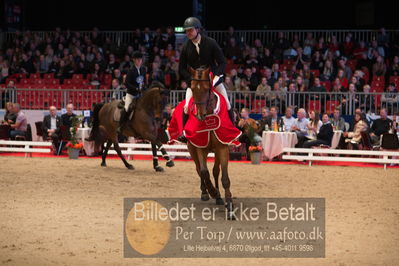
x=137 y=55
x=192 y=22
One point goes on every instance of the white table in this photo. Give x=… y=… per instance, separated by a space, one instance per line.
x=274 y=142
x=83 y=132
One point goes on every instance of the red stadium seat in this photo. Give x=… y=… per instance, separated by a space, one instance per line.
x=48 y=76
x=330 y=106
x=34 y=76
x=257 y=105
x=77 y=76
x=68 y=81
x=379 y=79
x=326 y=85
x=315 y=72
x=314 y=105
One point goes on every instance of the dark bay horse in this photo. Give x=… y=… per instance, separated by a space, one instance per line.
x=144 y=124
x=205 y=102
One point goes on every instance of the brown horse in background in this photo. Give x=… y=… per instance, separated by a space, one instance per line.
x=144 y=124
x=205 y=102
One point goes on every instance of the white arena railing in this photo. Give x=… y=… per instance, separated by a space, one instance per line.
x=310 y=155
x=28 y=147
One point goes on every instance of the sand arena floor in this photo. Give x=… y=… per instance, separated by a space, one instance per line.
x=55 y=211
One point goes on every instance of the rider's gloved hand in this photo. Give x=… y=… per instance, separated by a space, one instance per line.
x=217 y=80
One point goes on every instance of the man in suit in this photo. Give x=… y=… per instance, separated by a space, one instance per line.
x=273 y=118
x=51 y=126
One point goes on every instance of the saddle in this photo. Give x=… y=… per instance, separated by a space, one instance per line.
x=121 y=105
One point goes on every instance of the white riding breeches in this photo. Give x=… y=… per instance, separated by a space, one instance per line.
x=128 y=100
x=220 y=88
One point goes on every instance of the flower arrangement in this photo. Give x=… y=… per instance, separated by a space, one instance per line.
x=75 y=146
x=255 y=148
x=255 y=141
x=73 y=142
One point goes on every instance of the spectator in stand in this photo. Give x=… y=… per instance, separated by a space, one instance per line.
x=328 y=71
x=116 y=88
x=266 y=59
x=394 y=67
x=263 y=90
x=379 y=67
x=262 y=122
x=301 y=87
x=380 y=126
x=317 y=62
x=348 y=47
x=26 y=65
x=390 y=99
x=230 y=34
x=233 y=51
x=288 y=120
x=350 y=100
x=9 y=117
x=273 y=119
x=324 y=135
x=300 y=127
x=96 y=75
x=251 y=60
x=314 y=124
x=9 y=94
x=21 y=124
x=116 y=74
x=337 y=121
x=126 y=65
x=66 y=118
x=51 y=127
x=347 y=70
x=251 y=79
x=244 y=125
x=366 y=100
x=183 y=85
x=317 y=88
x=353 y=138
x=336 y=91
x=235 y=79
x=228 y=84
x=360 y=50
x=64 y=71
x=112 y=64
x=170 y=37
x=42 y=66
x=280 y=45
x=375 y=49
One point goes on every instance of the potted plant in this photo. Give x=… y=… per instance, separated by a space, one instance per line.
x=255 y=148
x=73 y=145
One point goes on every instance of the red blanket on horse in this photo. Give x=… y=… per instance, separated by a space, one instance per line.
x=198 y=132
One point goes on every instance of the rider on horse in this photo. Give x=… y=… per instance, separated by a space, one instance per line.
x=135 y=84
x=201 y=51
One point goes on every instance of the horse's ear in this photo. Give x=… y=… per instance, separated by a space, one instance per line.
x=192 y=71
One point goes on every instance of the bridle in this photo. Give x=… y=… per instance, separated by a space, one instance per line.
x=209 y=92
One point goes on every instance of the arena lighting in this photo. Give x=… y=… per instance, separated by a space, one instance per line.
x=179 y=29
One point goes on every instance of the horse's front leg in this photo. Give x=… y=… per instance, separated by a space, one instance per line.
x=155 y=158
x=194 y=156
x=223 y=155
x=204 y=173
x=165 y=155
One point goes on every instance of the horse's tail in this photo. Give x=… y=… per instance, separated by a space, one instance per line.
x=95 y=133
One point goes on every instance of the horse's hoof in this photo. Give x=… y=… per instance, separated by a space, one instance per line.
x=158 y=169
x=219 y=201
x=130 y=167
x=170 y=163
x=103 y=164
x=204 y=196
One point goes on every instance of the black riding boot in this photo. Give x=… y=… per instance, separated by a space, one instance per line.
x=122 y=121
x=182 y=138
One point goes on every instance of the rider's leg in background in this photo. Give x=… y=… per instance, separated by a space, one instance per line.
x=124 y=114
x=189 y=94
x=222 y=90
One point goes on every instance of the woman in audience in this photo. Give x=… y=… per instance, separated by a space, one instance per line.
x=353 y=139
x=9 y=116
x=314 y=124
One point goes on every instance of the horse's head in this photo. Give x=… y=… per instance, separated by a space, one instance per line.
x=155 y=99
x=201 y=87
